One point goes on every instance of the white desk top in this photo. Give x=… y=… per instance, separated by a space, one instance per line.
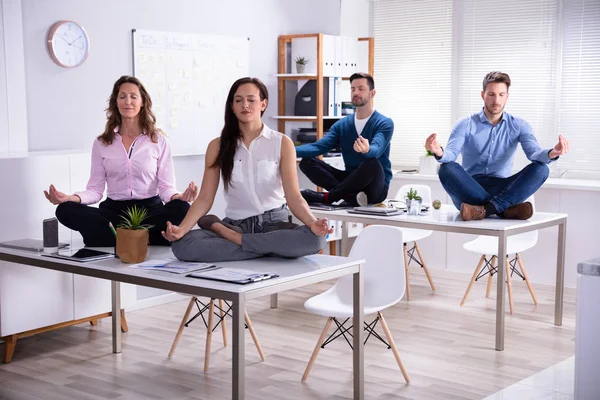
x=113 y=269
x=448 y=219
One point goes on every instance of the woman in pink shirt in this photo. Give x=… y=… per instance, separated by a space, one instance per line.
x=132 y=160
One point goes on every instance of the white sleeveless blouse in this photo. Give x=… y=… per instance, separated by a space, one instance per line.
x=256 y=178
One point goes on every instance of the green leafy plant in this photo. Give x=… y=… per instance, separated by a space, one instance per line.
x=134 y=217
x=429 y=152
x=301 y=60
x=412 y=195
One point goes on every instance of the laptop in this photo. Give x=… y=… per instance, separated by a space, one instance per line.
x=383 y=211
x=29 y=245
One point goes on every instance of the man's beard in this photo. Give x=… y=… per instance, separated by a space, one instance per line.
x=359 y=102
x=493 y=112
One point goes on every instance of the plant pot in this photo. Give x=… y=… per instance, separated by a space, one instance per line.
x=428 y=165
x=300 y=68
x=413 y=207
x=132 y=245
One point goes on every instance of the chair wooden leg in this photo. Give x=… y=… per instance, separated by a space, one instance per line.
x=425 y=267
x=181 y=326
x=124 y=327
x=254 y=337
x=94 y=322
x=223 y=324
x=490 y=276
x=406 y=272
x=509 y=285
x=527 y=281
x=315 y=353
x=390 y=339
x=10 y=342
x=477 y=269
x=209 y=329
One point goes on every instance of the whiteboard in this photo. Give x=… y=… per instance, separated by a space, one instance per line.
x=188 y=77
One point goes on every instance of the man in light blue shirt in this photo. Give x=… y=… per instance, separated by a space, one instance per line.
x=488 y=139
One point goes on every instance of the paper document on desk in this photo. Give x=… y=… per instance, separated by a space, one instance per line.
x=173 y=265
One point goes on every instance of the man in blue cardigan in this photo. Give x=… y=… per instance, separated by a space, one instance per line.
x=364 y=138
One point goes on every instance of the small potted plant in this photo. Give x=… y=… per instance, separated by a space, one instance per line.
x=413 y=202
x=428 y=165
x=301 y=64
x=133 y=235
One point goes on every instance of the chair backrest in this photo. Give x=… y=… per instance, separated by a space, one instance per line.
x=384 y=279
x=422 y=190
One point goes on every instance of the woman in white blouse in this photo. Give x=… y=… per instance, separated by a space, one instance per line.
x=258 y=167
x=132 y=159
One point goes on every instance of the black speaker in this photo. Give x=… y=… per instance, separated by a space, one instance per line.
x=50 y=233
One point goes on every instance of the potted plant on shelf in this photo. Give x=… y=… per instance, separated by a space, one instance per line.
x=133 y=235
x=428 y=165
x=413 y=202
x=301 y=64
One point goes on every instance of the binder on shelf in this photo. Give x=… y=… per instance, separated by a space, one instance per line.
x=333 y=96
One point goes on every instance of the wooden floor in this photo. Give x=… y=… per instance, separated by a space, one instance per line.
x=447 y=351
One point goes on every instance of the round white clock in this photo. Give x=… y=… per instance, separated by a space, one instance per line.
x=68 y=44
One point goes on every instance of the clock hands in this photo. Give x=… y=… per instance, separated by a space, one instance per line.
x=71 y=43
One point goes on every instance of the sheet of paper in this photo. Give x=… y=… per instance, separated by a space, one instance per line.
x=172 y=265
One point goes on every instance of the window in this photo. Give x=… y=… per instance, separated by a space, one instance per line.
x=554 y=92
x=413 y=72
x=580 y=85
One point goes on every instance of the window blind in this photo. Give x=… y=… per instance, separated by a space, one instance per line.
x=413 y=72
x=580 y=86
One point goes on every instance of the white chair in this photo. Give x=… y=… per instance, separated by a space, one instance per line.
x=488 y=246
x=383 y=287
x=224 y=311
x=413 y=235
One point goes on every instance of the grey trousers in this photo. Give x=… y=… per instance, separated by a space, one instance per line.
x=261 y=236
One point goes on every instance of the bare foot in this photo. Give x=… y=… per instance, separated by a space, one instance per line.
x=226 y=233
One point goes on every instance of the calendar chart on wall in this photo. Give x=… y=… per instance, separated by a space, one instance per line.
x=188 y=77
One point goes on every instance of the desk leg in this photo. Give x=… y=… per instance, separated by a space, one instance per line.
x=357 y=332
x=237 y=381
x=344 y=247
x=500 y=291
x=274 y=299
x=116 y=315
x=560 y=273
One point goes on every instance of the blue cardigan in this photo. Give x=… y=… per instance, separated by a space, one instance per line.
x=378 y=131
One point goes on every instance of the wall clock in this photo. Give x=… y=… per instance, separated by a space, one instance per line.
x=68 y=44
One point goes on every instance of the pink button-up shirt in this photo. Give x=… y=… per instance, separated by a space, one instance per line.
x=146 y=171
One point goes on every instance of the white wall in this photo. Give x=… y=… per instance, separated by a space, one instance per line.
x=65 y=107
x=355 y=18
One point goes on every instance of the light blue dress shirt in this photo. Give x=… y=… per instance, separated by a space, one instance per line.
x=490 y=150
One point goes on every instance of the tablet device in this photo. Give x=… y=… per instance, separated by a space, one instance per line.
x=81 y=255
